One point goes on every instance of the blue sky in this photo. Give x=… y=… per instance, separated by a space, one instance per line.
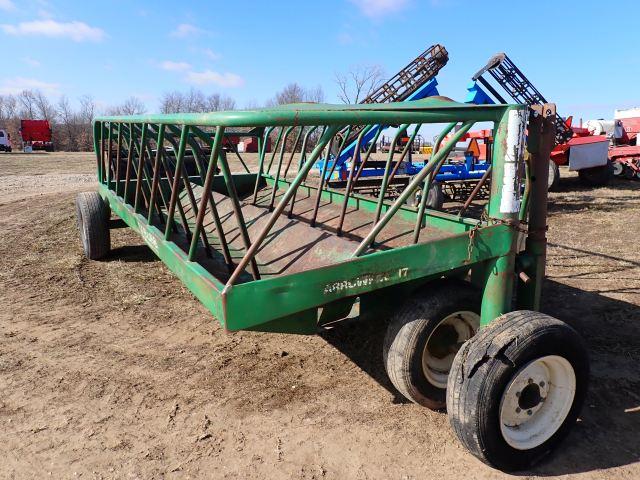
x=583 y=55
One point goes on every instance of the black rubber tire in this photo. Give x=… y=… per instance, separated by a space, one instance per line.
x=482 y=370
x=92 y=215
x=628 y=173
x=596 y=176
x=554 y=176
x=435 y=198
x=409 y=330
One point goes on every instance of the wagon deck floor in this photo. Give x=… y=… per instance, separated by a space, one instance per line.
x=293 y=244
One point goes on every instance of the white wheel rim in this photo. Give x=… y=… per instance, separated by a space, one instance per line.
x=617 y=168
x=551 y=173
x=537 y=401
x=438 y=355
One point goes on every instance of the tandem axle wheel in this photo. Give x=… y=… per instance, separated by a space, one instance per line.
x=515 y=390
x=92 y=216
x=424 y=336
x=512 y=390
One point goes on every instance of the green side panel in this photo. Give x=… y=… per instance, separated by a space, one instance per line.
x=244 y=184
x=201 y=283
x=163 y=184
x=292 y=293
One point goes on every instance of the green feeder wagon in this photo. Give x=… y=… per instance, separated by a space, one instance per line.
x=277 y=250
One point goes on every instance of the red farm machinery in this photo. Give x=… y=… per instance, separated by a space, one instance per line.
x=36 y=134
x=625 y=149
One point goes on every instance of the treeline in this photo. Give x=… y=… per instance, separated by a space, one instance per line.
x=71 y=124
x=195 y=101
x=33 y=104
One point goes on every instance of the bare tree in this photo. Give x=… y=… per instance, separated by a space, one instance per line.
x=131 y=106
x=315 y=95
x=194 y=101
x=9 y=116
x=359 y=82
x=252 y=104
x=8 y=107
x=27 y=104
x=87 y=109
x=72 y=123
x=294 y=93
x=85 y=117
x=217 y=103
x=73 y=128
x=44 y=107
x=171 y=102
x=69 y=122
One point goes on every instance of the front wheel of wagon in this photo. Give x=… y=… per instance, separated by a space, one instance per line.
x=516 y=389
x=424 y=335
x=92 y=215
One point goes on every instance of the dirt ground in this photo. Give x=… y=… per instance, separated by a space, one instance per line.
x=114 y=370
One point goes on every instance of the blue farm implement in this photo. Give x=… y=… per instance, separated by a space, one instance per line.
x=414 y=82
x=354 y=168
x=455 y=179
